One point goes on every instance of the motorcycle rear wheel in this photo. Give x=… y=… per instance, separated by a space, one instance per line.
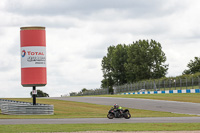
x=127 y=115
x=110 y=116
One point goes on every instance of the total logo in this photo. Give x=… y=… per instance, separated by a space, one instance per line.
x=31 y=53
x=23 y=53
x=35 y=53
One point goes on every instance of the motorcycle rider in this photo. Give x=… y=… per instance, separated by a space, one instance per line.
x=118 y=108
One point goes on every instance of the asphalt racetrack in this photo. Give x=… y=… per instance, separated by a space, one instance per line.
x=101 y=120
x=146 y=104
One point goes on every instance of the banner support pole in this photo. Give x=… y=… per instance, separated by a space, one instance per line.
x=34 y=95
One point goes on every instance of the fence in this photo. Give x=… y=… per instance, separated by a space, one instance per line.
x=101 y=91
x=12 y=107
x=150 y=85
x=160 y=85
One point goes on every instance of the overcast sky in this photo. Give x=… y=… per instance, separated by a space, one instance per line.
x=78 y=33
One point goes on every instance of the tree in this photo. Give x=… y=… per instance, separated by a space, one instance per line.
x=119 y=58
x=113 y=66
x=84 y=90
x=107 y=69
x=134 y=62
x=145 y=61
x=73 y=94
x=40 y=94
x=194 y=66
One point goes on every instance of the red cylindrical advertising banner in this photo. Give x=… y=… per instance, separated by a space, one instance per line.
x=33 y=56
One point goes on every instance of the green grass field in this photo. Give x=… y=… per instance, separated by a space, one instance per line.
x=183 y=97
x=69 y=109
x=100 y=127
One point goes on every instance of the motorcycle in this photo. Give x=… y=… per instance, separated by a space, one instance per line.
x=113 y=113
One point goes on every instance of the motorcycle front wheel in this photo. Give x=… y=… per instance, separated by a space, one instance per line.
x=110 y=116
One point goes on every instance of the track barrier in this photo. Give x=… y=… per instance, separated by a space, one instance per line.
x=165 y=92
x=11 y=107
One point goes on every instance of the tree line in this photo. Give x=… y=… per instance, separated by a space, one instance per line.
x=140 y=60
x=193 y=66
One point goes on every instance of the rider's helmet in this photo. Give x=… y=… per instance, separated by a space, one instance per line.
x=116 y=106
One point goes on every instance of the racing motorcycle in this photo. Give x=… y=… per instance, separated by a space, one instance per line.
x=113 y=113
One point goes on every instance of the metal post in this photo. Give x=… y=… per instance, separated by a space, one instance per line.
x=186 y=83
x=180 y=84
x=164 y=85
x=192 y=83
x=175 y=83
x=34 y=95
x=128 y=87
x=131 y=86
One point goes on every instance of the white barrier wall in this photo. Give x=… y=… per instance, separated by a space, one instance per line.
x=11 y=107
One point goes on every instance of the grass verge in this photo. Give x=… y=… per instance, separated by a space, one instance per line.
x=101 y=127
x=69 y=109
x=182 y=97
